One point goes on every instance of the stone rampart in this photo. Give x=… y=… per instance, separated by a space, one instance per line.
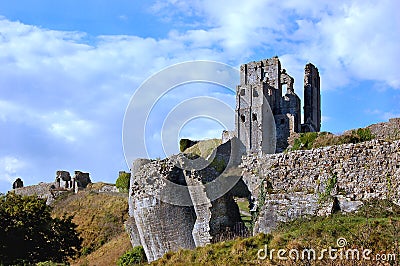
x=41 y=190
x=321 y=181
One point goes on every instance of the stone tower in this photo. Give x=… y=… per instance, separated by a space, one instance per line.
x=266 y=91
x=312 y=99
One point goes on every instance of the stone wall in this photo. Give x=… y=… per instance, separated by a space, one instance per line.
x=388 y=130
x=42 y=190
x=320 y=181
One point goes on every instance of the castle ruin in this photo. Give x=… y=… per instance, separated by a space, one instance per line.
x=261 y=92
x=279 y=187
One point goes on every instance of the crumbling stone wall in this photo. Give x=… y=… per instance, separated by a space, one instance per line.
x=41 y=190
x=309 y=182
x=388 y=130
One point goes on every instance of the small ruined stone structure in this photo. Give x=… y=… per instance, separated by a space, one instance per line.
x=50 y=191
x=64 y=180
x=18 y=183
x=82 y=179
x=260 y=97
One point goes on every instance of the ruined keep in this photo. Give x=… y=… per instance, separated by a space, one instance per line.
x=260 y=97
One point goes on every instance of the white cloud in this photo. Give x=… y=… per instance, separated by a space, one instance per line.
x=325 y=118
x=383 y=115
x=63 y=123
x=352 y=41
x=69 y=126
x=388 y=115
x=9 y=168
x=347 y=40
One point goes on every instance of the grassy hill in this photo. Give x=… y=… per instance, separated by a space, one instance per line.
x=100 y=218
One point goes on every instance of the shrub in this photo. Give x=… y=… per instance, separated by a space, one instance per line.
x=186 y=143
x=312 y=140
x=28 y=233
x=305 y=141
x=219 y=164
x=133 y=256
x=123 y=181
x=364 y=134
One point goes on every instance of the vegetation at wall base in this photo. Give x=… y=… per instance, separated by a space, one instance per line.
x=313 y=140
x=123 y=181
x=135 y=256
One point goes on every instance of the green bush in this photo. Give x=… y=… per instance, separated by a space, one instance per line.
x=50 y=263
x=133 y=256
x=28 y=233
x=123 y=181
x=364 y=134
x=305 y=141
x=312 y=140
x=219 y=164
x=186 y=143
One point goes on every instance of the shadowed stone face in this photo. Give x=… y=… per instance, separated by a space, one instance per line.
x=82 y=179
x=18 y=183
x=63 y=175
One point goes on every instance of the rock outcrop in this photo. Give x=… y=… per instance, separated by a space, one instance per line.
x=180 y=203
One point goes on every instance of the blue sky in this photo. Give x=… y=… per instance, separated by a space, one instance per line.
x=69 y=68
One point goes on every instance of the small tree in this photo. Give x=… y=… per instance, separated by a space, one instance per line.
x=186 y=143
x=29 y=235
x=123 y=181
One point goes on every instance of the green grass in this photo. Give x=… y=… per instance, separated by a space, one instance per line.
x=204 y=148
x=243 y=205
x=312 y=140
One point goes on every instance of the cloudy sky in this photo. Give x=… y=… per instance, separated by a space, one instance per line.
x=69 y=68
